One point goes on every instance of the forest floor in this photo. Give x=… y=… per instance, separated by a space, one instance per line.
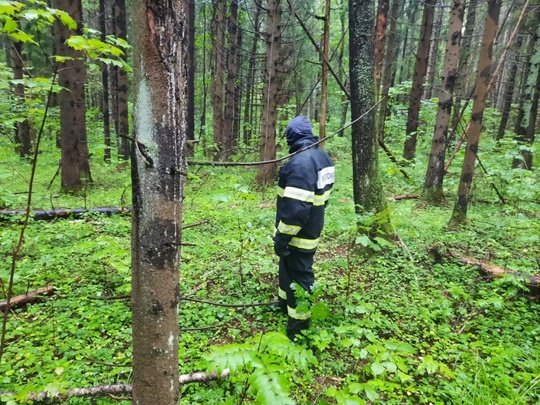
x=402 y=322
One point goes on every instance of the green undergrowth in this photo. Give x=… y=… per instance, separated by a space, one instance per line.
x=399 y=322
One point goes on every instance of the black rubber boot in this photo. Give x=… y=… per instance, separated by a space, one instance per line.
x=295 y=327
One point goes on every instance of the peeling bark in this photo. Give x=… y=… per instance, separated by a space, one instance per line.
x=158 y=165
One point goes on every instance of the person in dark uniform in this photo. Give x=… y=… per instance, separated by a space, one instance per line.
x=303 y=191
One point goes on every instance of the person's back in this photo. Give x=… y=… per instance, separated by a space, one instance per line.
x=303 y=191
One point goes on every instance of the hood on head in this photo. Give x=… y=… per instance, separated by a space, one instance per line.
x=299 y=128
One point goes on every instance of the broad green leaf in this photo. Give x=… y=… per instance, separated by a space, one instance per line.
x=377 y=368
x=390 y=366
x=77 y=42
x=269 y=389
x=22 y=36
x=363 y=240
x=383 y=242
x=320 y=311
x=371 y=393
x=66 y=19
x=10 y=25
x=10 y=7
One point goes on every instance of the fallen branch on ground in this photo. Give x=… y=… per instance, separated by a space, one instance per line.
x=492 y=270
x=116 y=389
x=405 y=197
x=496 y=271
x=27 y=298
x=47 y=215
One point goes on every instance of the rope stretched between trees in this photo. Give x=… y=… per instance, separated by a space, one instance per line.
x=266 y=162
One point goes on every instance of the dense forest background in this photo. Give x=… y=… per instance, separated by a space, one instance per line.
x=428 y=267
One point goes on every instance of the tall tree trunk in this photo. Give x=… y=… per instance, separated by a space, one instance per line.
x=526 y=116
x=483 y=78
x=71 y=76
x=324 y=73
x=23 y=137
x=406 y=51
x=122 y=84
x=105 y=108
x=526 y=153
x=190 y=130
x=204 y=90
x=218 y=76
x=433 y=185
x=380 y=36
x=509 y=87
x=367 y=187
x=465 y=60
x=238 y=74
x=390 y=59
x=422 y=55
x=434 y=52
x=250 y=85
x=270 y=92
x=158 y=165
x=232 y=70
x=344 y=98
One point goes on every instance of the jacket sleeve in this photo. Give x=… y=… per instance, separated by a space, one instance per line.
x=297 y=192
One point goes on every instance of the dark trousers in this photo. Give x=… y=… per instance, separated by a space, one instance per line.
x=297 y=267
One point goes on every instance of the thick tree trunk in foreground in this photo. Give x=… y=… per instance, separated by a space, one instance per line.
x=22 y=129
x=420 y=68
x=474 y=128
x=270 y=92
x=367 y=185
x=157 y=165
x=433 y=185
x=72 y=101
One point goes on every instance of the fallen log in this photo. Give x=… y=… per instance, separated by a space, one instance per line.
x=47 y=215
x=491 y=270
x=113 y=390
x=405 y=197
x=27 y=298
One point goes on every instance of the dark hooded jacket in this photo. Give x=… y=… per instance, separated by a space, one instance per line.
x=303 y=190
